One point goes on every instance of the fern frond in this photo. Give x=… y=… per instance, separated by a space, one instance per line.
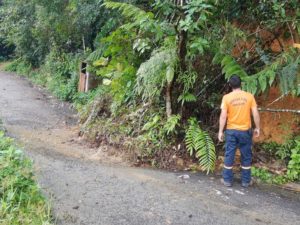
x=191 y=134
x=171 y=123
x=152 y=123
x=186 y=97
x=289 y=77
x=206 y=153
x=254 y=83
x=286 y=66
x=199 y=142
x=95 y=55
x=151 y=76
x=230 y=67
x=262 y=80
x=129 y=11
x=188 y=79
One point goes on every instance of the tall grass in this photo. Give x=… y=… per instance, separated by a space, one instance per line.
x=21 y=201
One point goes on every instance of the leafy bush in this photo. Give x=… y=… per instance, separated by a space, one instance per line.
x=281 y=151
x=20 y=67
x=265 y=176
x=6 y=50
x=271 y=148
x=262 y=174
x=293 y=172
x=284 y=151
x=116 y=64
x=157 y=134
x=61 y=71
x=290 y=152
x=21 y=202
x=64 y=89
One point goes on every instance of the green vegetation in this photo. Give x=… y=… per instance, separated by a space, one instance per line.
x=59 y=73
x=160 y=63
x=21 y=201
x=268 y=177
x=290 y=153
x=281 y=151
x=293 y=172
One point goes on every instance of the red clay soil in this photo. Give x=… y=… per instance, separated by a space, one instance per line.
x=278 y=126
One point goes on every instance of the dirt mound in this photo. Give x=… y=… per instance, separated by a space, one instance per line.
x=278 y=126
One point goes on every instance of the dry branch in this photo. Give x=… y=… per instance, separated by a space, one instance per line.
x=279 y=110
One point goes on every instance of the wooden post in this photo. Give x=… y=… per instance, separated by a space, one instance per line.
x=83 y=79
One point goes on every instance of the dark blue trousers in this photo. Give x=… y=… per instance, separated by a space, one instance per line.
x=243 y=140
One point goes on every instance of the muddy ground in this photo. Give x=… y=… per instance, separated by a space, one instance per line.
x=87 y=186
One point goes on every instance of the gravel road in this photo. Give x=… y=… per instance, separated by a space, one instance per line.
x=88 y=187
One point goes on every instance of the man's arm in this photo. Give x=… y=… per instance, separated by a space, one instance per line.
x=256 y=121
x=223 y=118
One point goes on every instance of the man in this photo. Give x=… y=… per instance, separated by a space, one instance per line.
x=236 y=109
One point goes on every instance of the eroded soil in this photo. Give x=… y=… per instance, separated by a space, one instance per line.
x=88 y=186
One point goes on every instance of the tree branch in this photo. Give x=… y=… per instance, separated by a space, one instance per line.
x=291 y=32
x=279 y=110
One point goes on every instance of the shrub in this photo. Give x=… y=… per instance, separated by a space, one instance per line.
x=60 y=69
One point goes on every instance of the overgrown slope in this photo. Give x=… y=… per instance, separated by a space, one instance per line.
x=161 y=65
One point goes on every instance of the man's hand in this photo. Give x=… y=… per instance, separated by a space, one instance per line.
x=256 y=132
x=223 y=118
x=221 y=136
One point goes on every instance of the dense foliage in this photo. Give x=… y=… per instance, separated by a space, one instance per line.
x=160 y=63
x=21 y=201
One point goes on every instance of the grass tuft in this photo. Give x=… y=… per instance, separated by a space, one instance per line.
x=21 y=201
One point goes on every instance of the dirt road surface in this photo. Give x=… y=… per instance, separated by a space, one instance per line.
x=86 y=187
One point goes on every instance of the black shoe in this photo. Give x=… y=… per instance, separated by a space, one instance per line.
x=246 y=185
x=225 y=183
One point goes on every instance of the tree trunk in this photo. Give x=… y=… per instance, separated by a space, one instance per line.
x=182 y=52
x=169 y=99
x=182 y=49
x=174 y=89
